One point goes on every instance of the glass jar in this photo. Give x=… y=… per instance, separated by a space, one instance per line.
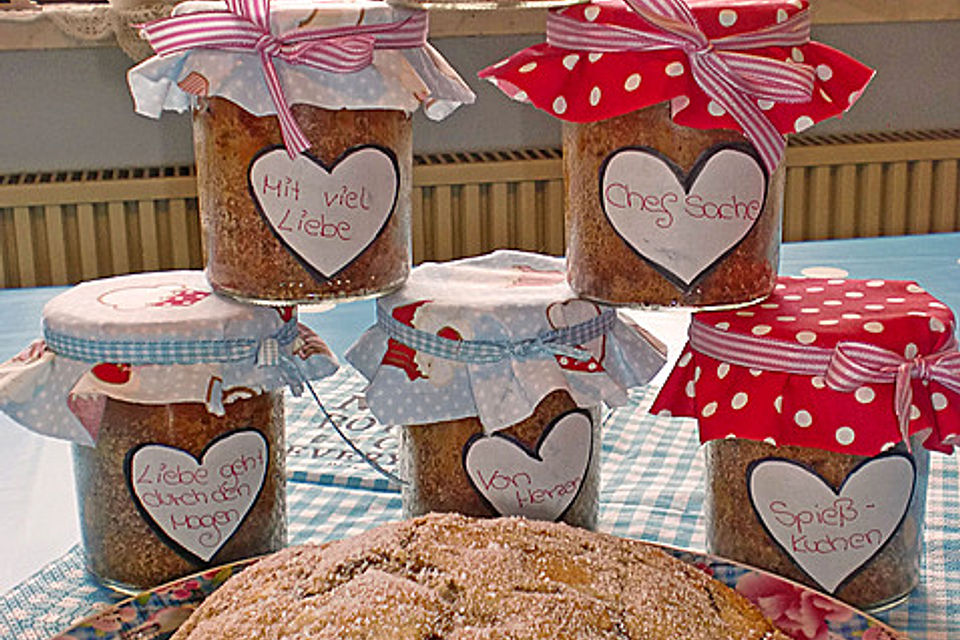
x=170 y=489
x=674 y=125
x=442 y=475
x=172 y=397
x=333 y=224
x=892 y=568
x=496 y=373
x=818 y=410
x=678 y=217
x=302 y=137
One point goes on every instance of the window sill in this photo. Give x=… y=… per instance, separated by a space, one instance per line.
x=36 y=28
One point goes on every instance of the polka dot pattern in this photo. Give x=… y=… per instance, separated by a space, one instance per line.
x=836 y=76
x=804 y=409
x=739 y=400
x=939 y=401
x=595 y=95
x=803 y=123
x=825 y=272
x=845 y=435
x=727 y=17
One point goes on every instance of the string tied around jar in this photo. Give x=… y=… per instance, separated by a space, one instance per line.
x=245 y=28
x=303 y=341
x=729 y=75
x=548 y=343
x=846 y=367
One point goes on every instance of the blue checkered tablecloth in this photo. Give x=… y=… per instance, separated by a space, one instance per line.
x=652 y=489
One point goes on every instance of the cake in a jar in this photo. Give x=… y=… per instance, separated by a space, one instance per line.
x=675 y=116
x=254 y=255
x=496 y=374
x=176 y=416
x=302 y=136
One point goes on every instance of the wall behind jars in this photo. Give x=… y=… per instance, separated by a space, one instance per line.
x=69 y=108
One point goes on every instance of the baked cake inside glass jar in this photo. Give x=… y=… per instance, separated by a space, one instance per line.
x=496 y=375
x=674 y=119
x=303 y=147
x=819 y=409
x=173 y=399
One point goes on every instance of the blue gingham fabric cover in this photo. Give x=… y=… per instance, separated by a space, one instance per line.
x=161 y=337
x=652 y=489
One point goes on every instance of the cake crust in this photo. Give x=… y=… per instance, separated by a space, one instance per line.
x=452 y=577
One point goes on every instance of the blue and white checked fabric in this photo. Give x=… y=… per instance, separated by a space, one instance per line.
x=547 y=343
x=652 y=489
x=164 y=352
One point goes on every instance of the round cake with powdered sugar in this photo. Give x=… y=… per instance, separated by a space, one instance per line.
x=453 y=577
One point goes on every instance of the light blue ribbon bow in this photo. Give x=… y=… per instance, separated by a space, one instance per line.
x=547 y=343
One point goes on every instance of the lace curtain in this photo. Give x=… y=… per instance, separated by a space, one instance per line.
x=101 y=21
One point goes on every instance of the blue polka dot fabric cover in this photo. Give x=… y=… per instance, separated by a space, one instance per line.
x=396 y=79
x=153 y=338
x=490 y=337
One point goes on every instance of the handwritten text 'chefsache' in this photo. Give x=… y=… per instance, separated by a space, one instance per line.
x=669 y=205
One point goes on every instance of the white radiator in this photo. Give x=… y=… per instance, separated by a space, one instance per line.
x=63 y=227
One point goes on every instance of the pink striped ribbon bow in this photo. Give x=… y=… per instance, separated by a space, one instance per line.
x=733 y=79
x=245 y=28
x=846 y=367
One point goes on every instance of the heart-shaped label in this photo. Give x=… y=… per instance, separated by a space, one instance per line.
x=832 y=534
x=326 y=216
x=540 y=484
x=196 y=506
x=683 y=224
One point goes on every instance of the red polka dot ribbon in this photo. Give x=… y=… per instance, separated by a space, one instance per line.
x=245 y=28
x=846 y=367
x=748 y=66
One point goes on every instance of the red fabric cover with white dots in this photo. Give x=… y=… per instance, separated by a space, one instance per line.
x=579 y=86
x=792 y=409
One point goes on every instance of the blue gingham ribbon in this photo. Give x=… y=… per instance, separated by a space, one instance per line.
x=170 y=352
x=547 y=343
x=263 y=352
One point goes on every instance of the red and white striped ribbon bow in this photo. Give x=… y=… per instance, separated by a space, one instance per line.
x=245 y=28
x=855 y=364
x=846 y=367
x=732 y=78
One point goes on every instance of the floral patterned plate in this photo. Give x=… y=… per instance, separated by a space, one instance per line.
x=802 y=613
